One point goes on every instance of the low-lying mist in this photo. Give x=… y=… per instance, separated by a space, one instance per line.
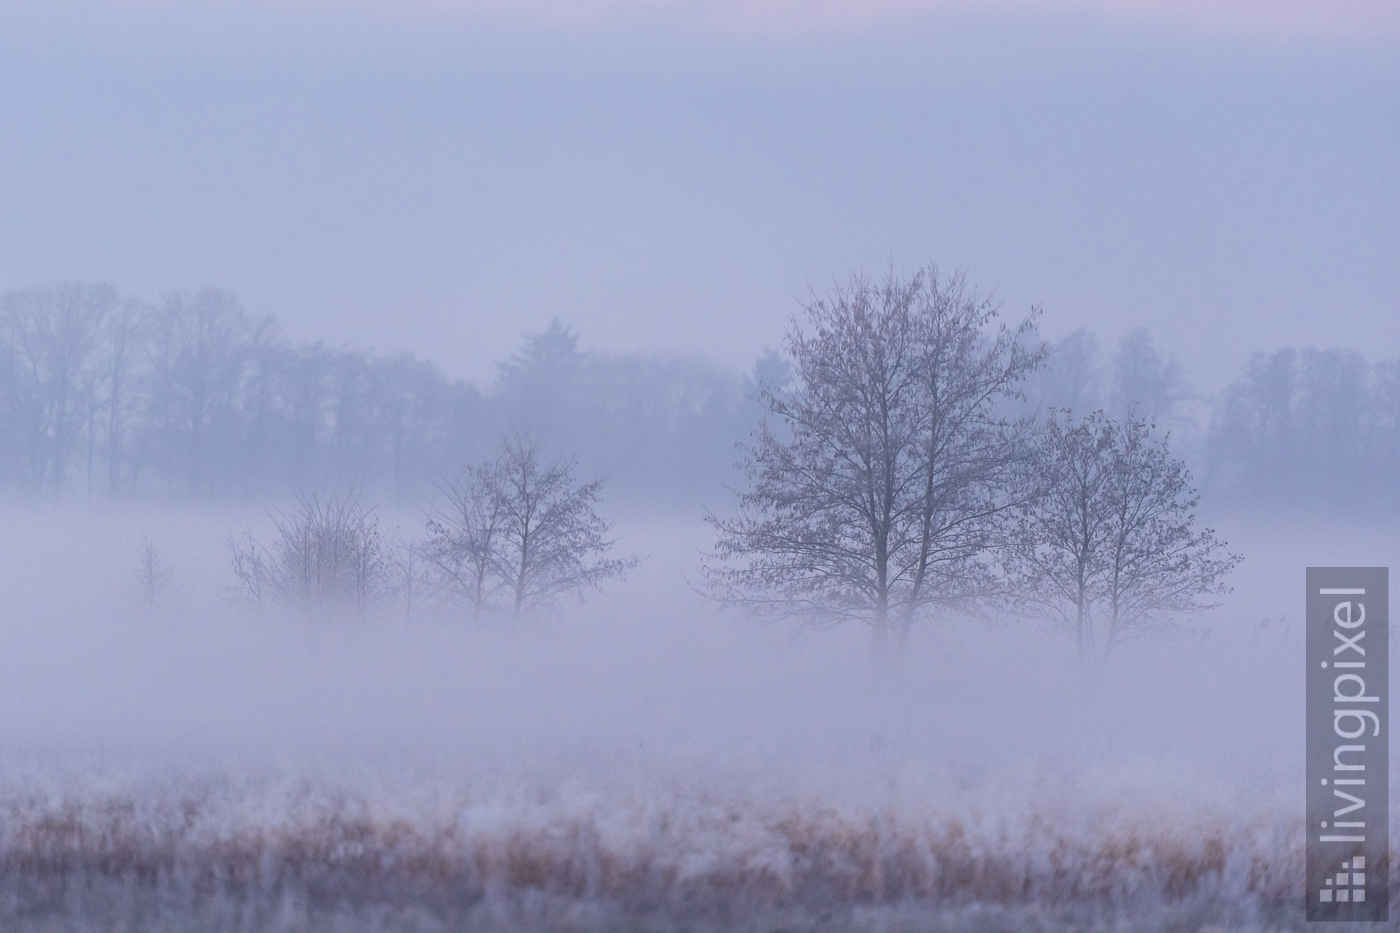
x=649 y=663
x=686 y=740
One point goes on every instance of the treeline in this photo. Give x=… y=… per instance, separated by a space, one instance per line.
x=1309 y=430
x=191 y=397
x=1298 y=430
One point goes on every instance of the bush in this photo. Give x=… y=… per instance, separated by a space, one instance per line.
x=328 y=558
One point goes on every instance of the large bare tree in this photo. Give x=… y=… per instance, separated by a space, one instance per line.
x=1109 y=550
x=877 y=475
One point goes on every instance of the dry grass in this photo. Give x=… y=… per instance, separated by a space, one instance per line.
x=219 y=855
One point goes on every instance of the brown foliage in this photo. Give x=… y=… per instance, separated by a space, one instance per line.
x=180 y=860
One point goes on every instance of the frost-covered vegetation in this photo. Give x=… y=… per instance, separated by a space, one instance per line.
x=638 y=848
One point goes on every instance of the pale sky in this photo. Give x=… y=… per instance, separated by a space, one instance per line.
x=672 y=176
x=1304 y=18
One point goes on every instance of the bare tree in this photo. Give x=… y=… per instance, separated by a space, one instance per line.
x=1144 y=383
x=52 y=337
x=878 y=472
x=153 y=574
x=252 y=568
x=125 y=330
x=464 y=536
x=328 y=557
x=1071 y=377
x=553 y=543
x=411 y=572
x=525 y=531
x=1109 y=549
x=200 y=349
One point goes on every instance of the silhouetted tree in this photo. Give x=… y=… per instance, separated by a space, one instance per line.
x=1305 y=430
x=552 y=542
x=523 y=529
x=1071 y=377
x=1108 y=548
x=202 y=346
x=153 y=574
x=464 y=532
x=125 y=332
x=1385 y=421
x=51 y=345
x=876 y=476
x=1145 y=384
x=538 y=386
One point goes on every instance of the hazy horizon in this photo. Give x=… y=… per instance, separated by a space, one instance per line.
x=444 y=178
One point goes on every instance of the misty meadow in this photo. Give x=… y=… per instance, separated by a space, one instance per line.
x=315 y=667
x=650 y=466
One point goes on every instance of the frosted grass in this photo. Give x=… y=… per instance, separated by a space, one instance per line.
x=638 y=842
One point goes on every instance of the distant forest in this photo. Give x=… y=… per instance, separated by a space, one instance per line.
x=192 y=398
x=1298 y=430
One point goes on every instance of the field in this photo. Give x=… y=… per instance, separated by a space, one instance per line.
x=637 y=763
x=631 y=846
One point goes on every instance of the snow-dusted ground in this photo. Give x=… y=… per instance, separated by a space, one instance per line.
x=639 y=763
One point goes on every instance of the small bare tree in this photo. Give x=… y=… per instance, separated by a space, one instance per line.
x=552 y=543
x=411 y=573
x=1109 y=549
x=252 y=568
x=153 y=574
x=328 y=557
x=464 y=536
x=521 y=530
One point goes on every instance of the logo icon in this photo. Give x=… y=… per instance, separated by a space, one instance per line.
x=1348 y=885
